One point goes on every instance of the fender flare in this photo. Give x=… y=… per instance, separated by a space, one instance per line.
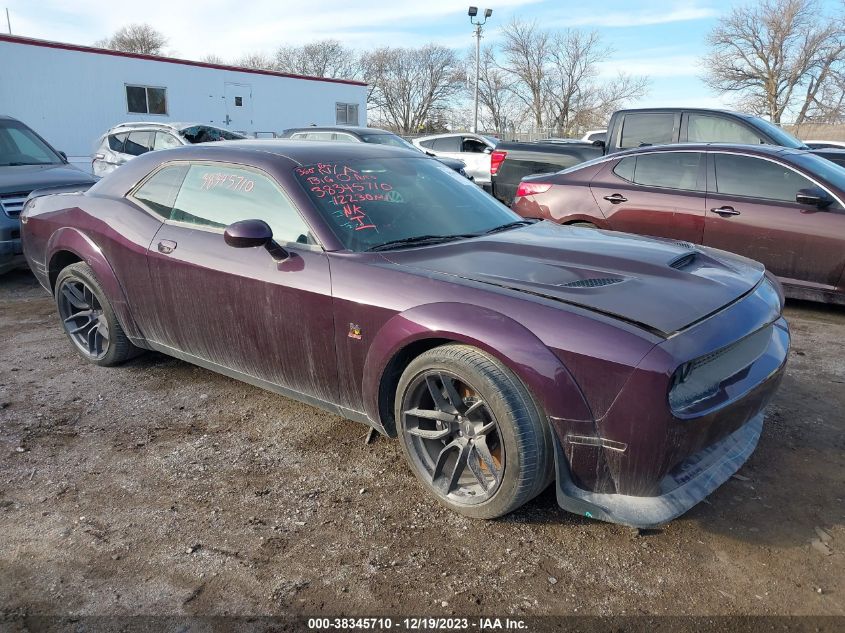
x=543 y=373
x=74 y=241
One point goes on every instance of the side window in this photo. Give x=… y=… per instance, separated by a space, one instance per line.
x=625 y=168
x=319 y=136
x=647 y=129
x=300 y=136
x=159 y=192
x=447 y=144
x=429 y=144
x=165 y=140
x=473 y=145
x=343 y=138
x=757 y=178
x=670 y=170
x=217 y=195
x=138 y=143
x=711 y=129
x=117 y=141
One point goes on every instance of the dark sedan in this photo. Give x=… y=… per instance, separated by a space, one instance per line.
x=385 y=288
x=782 y=207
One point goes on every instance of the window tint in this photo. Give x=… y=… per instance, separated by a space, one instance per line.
x=217 y=195
x=647 y=129
x=20 y=146
x=447 y=144
x=711 y=129
x=165 y=140
x=757 y=178
x=672 y=170
x=117 y=141
x=368 y=202
x=208 y=133
x=625 y=168
x=139 y=143
x=159 y=192
x=473 y=145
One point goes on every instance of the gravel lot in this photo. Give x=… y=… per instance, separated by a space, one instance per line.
x=162 y=488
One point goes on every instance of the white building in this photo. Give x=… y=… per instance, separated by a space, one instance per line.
x=72 y=94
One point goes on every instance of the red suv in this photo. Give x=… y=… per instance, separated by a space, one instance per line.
x=782 y=207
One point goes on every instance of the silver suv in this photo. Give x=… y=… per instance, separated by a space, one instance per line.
x=127 y=140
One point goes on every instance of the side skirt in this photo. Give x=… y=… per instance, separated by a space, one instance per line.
x=356 y=416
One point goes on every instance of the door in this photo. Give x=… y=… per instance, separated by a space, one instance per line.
x=238 y=107
x=752 y=211
x=476 y=154
x=245 y=309
x=660 y=194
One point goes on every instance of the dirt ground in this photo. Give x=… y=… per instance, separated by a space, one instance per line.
x=162 y=488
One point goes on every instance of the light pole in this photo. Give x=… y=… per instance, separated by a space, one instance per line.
x=472 y=13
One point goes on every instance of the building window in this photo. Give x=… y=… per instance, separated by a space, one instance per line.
x=146 y=100
x=346 y=113
x=239 y=101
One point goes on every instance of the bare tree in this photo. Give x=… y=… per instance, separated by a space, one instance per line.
x=778 y=57
x=575 y=98
x=135 y=38
x=323 y=58
x=499 y=107
x=257 y=61
x=526 y=52
x=410 y=86
x=556 y=76
x=213 y=58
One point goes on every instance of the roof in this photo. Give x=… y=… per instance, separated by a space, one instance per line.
x=29 y=41
x=352 y=129
x=706 y=147
x=308 y=152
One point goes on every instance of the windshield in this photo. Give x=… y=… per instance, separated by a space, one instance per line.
x=779 y=135
x=21 y=146
x=827 y=170
x=207 y=133
x=388 y=139
x=369 y=202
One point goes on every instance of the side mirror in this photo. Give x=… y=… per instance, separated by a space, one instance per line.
x=813 y=197
x=248 y=233
x=63 y=155
x=599 y=143
x=488 y=150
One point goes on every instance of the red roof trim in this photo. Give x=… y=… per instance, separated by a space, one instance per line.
x=14 y=39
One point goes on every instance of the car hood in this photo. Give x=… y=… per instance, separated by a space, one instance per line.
x=28 y=177
x=661 y=285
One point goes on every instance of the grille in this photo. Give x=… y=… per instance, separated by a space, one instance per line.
x=13 y=202
x=683 y=261
x=593 y=283
x=705 y=374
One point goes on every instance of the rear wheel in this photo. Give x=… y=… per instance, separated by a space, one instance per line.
x=88 y=318
x=471 y=432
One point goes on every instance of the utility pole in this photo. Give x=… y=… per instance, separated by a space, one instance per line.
x=472 y=13
x=8 y=22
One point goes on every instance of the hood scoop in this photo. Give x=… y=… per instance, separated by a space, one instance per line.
x=596 y=282
x=684 y=261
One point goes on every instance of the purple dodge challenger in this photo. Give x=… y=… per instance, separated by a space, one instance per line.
x=377 y=284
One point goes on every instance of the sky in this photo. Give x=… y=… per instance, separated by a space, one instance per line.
x=663 y=39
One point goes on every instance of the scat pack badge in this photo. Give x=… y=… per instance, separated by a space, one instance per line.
x=355 y=331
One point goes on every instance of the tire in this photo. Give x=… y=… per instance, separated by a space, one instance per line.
x=505 y=466
x=87 y=318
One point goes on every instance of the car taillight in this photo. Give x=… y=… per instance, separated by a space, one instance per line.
x=530 y=188
x=497 y=157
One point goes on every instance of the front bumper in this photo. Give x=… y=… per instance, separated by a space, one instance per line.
x=685 y=486
x=11 y=253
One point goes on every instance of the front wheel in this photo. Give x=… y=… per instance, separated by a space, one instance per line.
x=472 y=432
x=88 y=318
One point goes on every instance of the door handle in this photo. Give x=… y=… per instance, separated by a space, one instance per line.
x=616 y=198
x=166 y=246
x=725 y=211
